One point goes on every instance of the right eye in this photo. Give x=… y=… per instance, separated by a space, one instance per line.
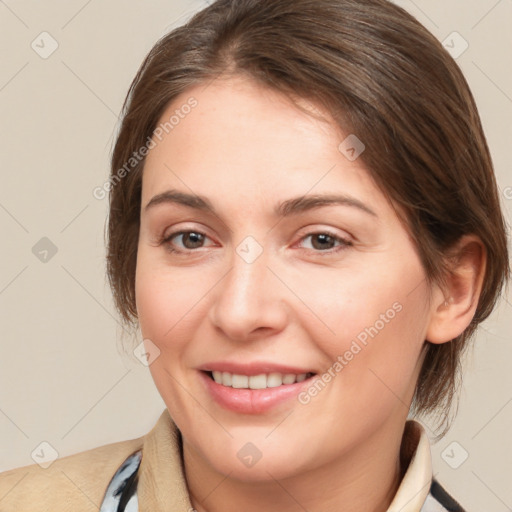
x=190 y=240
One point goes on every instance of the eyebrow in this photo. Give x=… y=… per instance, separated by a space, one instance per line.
x=289 y=207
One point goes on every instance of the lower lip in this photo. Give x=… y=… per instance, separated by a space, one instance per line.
x=251 y=401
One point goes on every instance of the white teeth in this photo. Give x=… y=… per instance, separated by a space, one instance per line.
x=274 y=380
x=262 y=381
x=258 y=381
x=239 y=381
x=289 y=378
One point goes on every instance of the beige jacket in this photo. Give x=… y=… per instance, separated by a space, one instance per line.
x=78 y=482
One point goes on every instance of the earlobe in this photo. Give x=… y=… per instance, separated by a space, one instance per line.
x=453 y=308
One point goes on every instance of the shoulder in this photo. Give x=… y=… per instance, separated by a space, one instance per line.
x=75 y=482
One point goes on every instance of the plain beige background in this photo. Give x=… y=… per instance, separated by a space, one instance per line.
x=64 y=379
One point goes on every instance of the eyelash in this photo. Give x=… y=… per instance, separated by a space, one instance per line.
x=343 y=241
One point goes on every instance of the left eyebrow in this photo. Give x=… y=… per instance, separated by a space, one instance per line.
x=287 y=208
x=304 y=203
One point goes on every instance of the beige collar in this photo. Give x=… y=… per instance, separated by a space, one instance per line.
x=162 y=485
x=415 y=484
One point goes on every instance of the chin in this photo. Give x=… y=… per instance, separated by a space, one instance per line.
x=273 y=467
x=276 y=456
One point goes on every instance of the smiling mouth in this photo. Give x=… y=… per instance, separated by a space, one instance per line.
x=261 y=381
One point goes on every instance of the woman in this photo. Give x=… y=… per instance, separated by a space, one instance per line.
x=304 y=222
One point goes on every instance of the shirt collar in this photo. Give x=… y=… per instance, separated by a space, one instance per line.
x=415 y=485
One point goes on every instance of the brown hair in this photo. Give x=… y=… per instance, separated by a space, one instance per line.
x=382 y=76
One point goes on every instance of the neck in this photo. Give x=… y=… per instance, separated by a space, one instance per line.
x=366 y=478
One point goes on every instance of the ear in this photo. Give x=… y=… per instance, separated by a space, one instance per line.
x=454 y=307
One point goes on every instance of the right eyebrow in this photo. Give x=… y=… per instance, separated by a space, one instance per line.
x=174 y=196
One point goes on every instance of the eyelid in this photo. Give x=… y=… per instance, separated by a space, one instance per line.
x=183 y=227
x=327 y=230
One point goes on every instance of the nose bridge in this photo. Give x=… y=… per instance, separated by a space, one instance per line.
x=247 y=298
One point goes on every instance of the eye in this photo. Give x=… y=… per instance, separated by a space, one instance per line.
x=324 y=242
x=321 y=241
x=190 y=240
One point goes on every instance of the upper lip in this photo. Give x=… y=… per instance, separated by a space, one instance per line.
x=253 y=368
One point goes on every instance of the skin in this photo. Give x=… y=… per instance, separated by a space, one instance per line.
x=246 y=148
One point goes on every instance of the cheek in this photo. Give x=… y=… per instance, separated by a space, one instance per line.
x=166 y=305
x=164 y=302
x=377 y=322
x=376 y=303
x=151 y=298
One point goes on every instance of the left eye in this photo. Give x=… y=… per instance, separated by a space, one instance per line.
x=325 y=241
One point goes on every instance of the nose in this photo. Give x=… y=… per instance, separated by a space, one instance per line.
x=249 y=302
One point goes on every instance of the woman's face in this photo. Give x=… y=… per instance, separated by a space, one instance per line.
x=265 y=280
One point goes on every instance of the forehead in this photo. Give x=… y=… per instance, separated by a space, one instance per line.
x=243 y=137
